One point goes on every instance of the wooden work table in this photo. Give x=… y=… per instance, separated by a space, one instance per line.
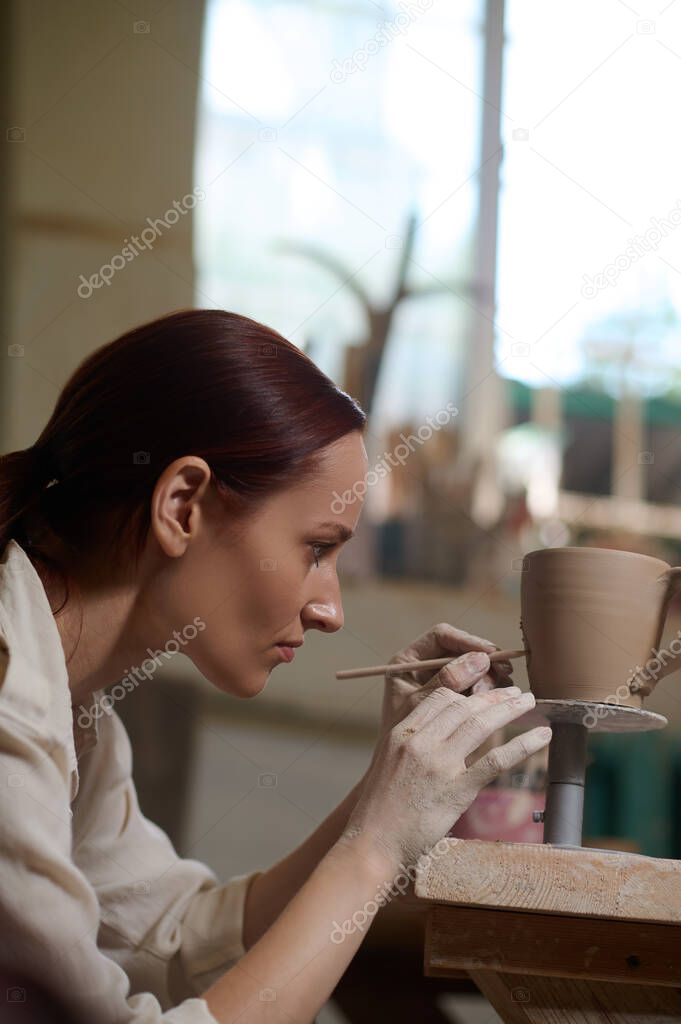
x=552 y=935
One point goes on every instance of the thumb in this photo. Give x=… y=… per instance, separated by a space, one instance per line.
x=462 y=672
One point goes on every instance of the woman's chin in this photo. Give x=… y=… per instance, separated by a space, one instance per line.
x=244 y=685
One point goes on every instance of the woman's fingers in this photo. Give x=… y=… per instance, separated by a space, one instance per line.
x=438 y=642
x=471 y=671
x=501 y=671
x=468 y=672
x=483 y=685
x=507 y=756
x=458 y=676
x=433 y=701
x=479 y=726
x=470 y=723
x=462 y=672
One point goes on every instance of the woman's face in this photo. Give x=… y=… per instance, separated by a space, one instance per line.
x=236 y=594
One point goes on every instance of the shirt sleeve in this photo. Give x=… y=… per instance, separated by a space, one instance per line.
x=49 y=908
x=168 y=921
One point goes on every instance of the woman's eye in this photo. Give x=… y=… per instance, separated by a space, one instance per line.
x=318 y=550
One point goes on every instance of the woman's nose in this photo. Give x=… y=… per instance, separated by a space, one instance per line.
x=324 y=615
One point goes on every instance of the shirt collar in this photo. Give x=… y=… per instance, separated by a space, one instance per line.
x=29 y=626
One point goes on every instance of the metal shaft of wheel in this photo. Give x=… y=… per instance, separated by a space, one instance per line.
x=564 y=810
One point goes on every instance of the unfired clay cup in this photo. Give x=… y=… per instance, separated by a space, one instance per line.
x=591 y=619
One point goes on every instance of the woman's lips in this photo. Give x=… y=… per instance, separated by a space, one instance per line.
x=287 y=653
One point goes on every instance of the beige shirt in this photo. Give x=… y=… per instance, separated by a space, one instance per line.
x=94 y=901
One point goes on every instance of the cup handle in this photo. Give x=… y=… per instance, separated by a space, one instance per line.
x=673 y=581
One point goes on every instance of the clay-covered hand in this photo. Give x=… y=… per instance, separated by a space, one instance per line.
x=403 y=692
x=420 y=782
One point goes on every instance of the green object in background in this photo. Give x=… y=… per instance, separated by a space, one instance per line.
x=662 y=410
x=633 y=791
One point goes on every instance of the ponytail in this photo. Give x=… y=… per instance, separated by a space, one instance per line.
x=19 y=472
x=24 y=477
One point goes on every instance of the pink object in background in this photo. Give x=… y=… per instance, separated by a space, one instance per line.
x=502 y=812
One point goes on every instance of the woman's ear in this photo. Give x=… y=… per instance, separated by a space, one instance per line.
x=178 y=503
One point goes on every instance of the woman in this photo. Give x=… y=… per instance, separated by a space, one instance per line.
x=182 y=488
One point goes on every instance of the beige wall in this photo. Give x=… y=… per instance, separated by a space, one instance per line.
x=108 y=120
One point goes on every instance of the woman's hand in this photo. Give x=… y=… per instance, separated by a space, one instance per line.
x=422 y=779
x=403 y=692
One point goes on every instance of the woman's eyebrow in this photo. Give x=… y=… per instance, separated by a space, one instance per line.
x=342 y=532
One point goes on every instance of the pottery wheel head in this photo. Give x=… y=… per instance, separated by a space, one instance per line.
x=599 y=717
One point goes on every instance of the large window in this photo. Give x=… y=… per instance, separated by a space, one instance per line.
x=325 y=126
x=589 y=261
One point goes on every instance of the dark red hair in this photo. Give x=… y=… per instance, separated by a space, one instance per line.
x=202 y=382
